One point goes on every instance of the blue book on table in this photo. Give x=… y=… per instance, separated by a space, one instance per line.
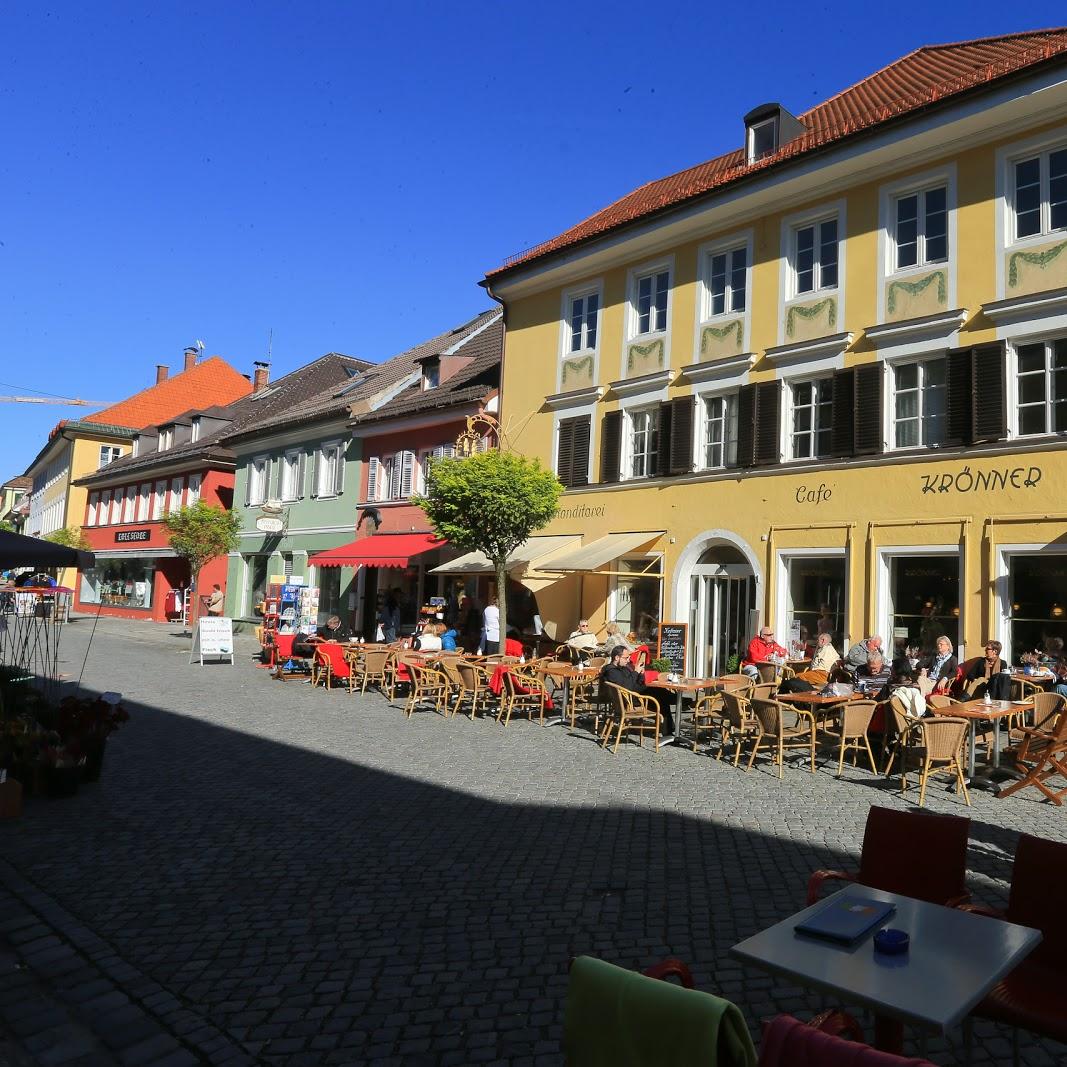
x=846 y=919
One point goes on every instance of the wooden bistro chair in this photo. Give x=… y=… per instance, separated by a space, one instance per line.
x=898 y=733
x=637 y=713
x=742 y=721
x=1042 y=756
x=850 y=732
x=709 y=716
x=374 y=670
x=915 y=854
x=764 y=691
x=428 y=686
x=330 y=664
x=801 y=734
x=448 y=665
x=938 y=742
x=521 y=691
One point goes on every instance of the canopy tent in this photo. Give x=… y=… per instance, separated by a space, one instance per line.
x=19 y=551
x=603 y=550
x=528 y=554
x=378 y=550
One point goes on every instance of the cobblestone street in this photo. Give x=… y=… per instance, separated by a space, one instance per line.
x=271 y=874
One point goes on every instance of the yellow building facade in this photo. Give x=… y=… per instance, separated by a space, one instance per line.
x=825 y=387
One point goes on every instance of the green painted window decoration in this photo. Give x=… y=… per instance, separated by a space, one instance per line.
x=1033 y=259
x=718 y=333
x=580 y=366
x=916 y=287
x=642 y=351
x=810 y=312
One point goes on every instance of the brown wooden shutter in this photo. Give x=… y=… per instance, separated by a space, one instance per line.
x=867 y=419
x=960 y=396
x=989 y=407
x=610 y=446
x=768 y=414
x=663 y=439
x=746 y=426
x=580 y=454
x=565 y=451
x=682 y=434
x=843 y=432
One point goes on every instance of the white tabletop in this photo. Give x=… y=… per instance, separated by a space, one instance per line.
x=954 y=959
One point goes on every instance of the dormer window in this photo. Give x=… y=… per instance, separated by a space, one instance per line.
x=194 y=433
x=431 y=374
x=768 y=128
x=166 y=438
x=762 y=139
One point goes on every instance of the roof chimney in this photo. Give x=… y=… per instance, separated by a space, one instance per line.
x=162 y=370
x=190 y=358
x=260 y=376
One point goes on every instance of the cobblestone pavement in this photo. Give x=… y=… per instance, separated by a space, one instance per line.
x=270 y=874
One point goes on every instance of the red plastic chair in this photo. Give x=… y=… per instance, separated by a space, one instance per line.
x=330 y=658
x=279 y=648
x=787 y=1042
x=912 y=853
x=1033 y=996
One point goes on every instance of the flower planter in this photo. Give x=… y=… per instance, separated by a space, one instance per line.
x=61 y=781
x=94 y=761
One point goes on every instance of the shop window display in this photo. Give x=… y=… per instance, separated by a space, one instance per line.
x=637 y=599
x=816 y=593
x=925 y=602
x=118 y=583
x=1038 y=585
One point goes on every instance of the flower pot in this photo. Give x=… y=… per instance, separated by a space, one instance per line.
x=61 y=781
x=94 y=761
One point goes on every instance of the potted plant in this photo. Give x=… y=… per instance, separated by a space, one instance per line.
x=62 y=764
x=87 y=723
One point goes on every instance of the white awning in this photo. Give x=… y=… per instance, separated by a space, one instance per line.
x=528 y=554
x=597 y=553
x=134 y=553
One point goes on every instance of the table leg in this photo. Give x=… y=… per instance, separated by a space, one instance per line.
x=677 y=735
x=565 y=699
x=970 y=749
x=996 y=743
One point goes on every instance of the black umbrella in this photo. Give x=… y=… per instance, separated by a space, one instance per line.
x=19 y=551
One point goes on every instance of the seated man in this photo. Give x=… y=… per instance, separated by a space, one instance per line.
x=874 y=675
x=333 y=630
x=822 y=663
x=990 y=671
x=617 y=671
x=858 y=653
x=761 y=649
x=582 y=641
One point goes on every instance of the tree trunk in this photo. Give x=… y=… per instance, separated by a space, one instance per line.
x=194 y=599
x=502 y=599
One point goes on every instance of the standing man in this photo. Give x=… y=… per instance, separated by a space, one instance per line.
x=215 y=600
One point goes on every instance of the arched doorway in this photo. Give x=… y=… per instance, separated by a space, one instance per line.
x=721 y=586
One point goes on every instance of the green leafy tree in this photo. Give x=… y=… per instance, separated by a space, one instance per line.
x=6 y=526
x=69 y=537
x=200 y=533
x=490 y=502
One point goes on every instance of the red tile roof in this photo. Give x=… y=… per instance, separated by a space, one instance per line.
x=213 y=381
x=924 y=77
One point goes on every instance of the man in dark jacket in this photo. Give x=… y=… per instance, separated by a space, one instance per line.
x=617 y=671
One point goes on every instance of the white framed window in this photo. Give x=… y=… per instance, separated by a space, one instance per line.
x=643 y=441
x=166 y=438
x=637 y=595
x=90 y=514
x=104 y=514
x=650 y=301
x=1041 y=387
x=175 y=502
x=726 y=281
x=583 y=322
x=1038 y=189
x=719 y=431
x=258 y=477
x=116 y=507
x=159 y=499
x=401 y=475
x=375 y=476
x=920 y=403
x=129 y=505
x=194 y=431
x=330 y=469
x=814 y=256
x=193 y=492
x=812 y=418
x=108 y=454
x=144 y=502
x=762 y=139
x=291 y=475
x=431 y=374
x=920 y=228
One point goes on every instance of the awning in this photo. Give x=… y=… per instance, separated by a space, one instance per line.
x=136 y=553
x=603 y=550
x=378 y=550
x=19 y=551
x=528 y=554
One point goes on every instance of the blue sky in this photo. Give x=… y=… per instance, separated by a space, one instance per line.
x=344 y=174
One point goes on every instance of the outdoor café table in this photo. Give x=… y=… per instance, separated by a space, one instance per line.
x=818 y=704
x=954 y=959
x=566 y=673
x=685 y=685
x=976 y=711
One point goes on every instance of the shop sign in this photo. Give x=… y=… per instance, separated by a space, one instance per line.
x=966 y=480
x=270 y=524
x=582 y=511
x=122 y=536
x=808 y=494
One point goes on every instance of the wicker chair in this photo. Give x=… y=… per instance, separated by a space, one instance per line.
x=374 y=669
x=850 y=732
x=709 y=714
x=637 y=713
x=742 y=722
x=428 y=686
x=521 y=691
x=938 y=742
x=897 y=733
x=448 y=665
x=473 y=685
x=771 y=716
x=764 y=691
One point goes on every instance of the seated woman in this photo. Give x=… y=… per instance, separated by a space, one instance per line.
x=990 y=670
x=940 y=670
x=430 y=638
x=614 y=637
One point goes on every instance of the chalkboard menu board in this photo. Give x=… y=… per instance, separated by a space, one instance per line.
x=671 y=644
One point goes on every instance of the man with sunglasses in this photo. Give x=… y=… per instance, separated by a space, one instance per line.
x=761 y=649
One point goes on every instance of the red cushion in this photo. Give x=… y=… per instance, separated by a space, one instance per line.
x=1031 y=997
x=787 y=1042
x=1035 y=900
